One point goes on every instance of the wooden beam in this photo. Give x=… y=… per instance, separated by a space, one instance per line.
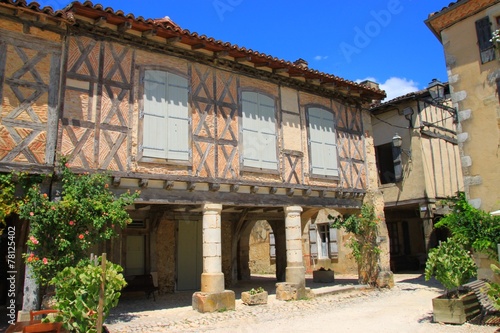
x=290 y=191
x=273 y=190
x=168 y=185
x=307 y=192
x=197 y=46
x=280 y=70
x=116 y=181
x=173 y=40
x=328 y=84
x=124 y=27
x=191 y=186
x=220 y=54
x=143 y=182
x=296 y=74
x=214 y=187
x=150 y=33
x=243 y=59
x=100 y=21
x=254 y=189
x=235 y=188
x=314 y=81
x=261 y=64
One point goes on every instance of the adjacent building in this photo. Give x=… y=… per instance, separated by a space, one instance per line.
x=215 y=136
x=419 y=166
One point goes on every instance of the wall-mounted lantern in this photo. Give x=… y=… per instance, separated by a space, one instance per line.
x=436 y=89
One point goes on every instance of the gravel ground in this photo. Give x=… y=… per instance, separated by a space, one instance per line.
x=405 y=308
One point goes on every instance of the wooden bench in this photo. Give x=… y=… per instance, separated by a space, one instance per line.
x=142 y=283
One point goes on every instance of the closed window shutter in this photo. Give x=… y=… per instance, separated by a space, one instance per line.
x=323 y=143
x=259 y=131
x=166 y=116
x=178 y=118
x=313 y=240
x=334 y=248
x=486 y=47
x=155 y=114
x=272 y=246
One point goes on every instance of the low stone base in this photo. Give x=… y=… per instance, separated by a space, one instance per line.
x=385 y=279
x=255 y=299
x=211 y=302
x=323 y=276
x=288 y=291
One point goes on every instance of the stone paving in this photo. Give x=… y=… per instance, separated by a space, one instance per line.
x=173 y=312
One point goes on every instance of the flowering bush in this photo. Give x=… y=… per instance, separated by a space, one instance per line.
x=62 y=231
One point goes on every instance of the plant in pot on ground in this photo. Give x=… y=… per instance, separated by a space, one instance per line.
x=452 y=265
x=254 y=296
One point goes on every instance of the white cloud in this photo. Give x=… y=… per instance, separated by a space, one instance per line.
x=395 y=86
x=319 y=58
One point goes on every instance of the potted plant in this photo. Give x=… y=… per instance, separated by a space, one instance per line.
x=254 y=296
x=452 y=265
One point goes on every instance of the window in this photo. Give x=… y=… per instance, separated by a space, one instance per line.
x=486 y=47
x=322 y=142
x=259 y=131
x=165 y=116
x=385 y=163
x=323 y=241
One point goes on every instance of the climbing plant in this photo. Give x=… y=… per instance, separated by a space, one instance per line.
x=8 y=203
x=364 y=245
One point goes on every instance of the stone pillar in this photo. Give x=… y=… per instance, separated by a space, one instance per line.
x=31 y=293
x=294 y=287
x=212 y=297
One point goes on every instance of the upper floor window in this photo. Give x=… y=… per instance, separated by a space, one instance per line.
x=259 y=131
x=165 y=116
x=486 y=46
x=322 y=142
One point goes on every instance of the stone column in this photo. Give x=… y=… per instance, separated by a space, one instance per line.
x=212 y=297
x=294 y=287
x=212 y=278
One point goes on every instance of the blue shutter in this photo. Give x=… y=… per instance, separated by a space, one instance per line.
x=323 y=143
x=259 y=131
x=155 y=110
x=177 y=118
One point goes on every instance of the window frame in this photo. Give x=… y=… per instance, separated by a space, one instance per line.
x=314 y=174
x=485 y=45
x=141 y=157
x=251 y=168
x=316 y=243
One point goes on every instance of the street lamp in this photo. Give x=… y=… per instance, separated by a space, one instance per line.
x=436 y=89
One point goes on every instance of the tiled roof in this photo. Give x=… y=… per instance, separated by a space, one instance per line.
x=166 y=28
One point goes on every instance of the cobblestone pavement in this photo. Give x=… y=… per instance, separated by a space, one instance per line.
x=173 y=312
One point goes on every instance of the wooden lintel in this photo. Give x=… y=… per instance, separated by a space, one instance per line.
x=261 y=64
x=254 y=189
x=235 y=188
x=197 y=46
x=116 y=181
x=143 y=182
x=124 y=26
x=220 y=54
x=100 y=21
x=306 y=192
x=273 y=190
x=191 y=186
x=290 y=191
x=214 y=187
x=150 y=33
x=168 y=185
x=243 y=59
x=173 y=40
x=280 y=70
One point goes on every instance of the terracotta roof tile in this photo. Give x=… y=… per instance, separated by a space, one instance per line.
x=212 y=44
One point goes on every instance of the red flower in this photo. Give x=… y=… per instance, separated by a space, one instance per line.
x=71 y=222
x=81 y=236
x=45 y=261
x=31 y=213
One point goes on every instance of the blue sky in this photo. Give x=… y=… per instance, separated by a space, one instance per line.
x=386 y=41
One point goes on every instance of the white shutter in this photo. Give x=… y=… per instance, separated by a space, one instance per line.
x=323 y=142
x=272 y=246
x=313 y=240
x=155 y=110
x=178 y=118
x=259 y=131
x=334 y=249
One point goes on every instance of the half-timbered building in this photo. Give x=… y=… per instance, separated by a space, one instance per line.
x=215 y=136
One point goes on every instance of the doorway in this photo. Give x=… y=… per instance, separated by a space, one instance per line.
x=189 y=255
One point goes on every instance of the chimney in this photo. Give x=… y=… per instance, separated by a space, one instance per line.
x=370 y=84
x=301 y=63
